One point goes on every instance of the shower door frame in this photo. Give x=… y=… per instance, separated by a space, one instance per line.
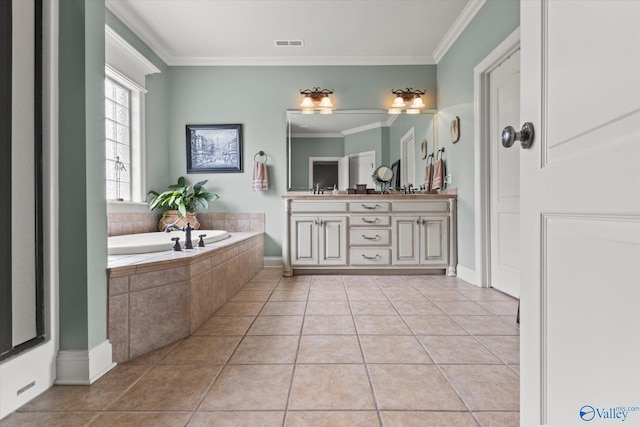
x=7 y=347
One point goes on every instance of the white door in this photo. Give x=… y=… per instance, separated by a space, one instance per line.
x=408 y=158
x=580 y=213
x=361 y=167
x=504 y=96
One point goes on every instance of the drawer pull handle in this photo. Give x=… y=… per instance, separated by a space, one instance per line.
x=377 y=237
x=371 y=221
x=371 y=207
x=371 y=258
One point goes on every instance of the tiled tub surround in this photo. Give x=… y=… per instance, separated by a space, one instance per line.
x=158 y=298
x=132 y=223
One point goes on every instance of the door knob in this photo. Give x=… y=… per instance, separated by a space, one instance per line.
x=525 y=136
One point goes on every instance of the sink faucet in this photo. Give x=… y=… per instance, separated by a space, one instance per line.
x=187 y=231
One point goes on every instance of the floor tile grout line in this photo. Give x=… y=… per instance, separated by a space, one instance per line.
x=226 y=363
x=437 y=365
x=366 y=368
x=295 y=362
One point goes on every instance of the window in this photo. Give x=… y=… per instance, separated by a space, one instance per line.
x=124 y=103
x=126 y=70
x=118 y=140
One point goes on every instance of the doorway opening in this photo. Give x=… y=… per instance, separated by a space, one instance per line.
x=485 y=144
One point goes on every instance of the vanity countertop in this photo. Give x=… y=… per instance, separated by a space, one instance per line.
x=301 y=195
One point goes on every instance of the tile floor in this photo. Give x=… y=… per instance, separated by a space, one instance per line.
x=317 y=351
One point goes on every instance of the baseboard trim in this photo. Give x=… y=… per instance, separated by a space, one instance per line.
x=467 y=275
x=273 y=261
x=83 y=367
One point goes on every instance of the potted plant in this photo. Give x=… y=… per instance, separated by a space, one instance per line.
x=178 y=204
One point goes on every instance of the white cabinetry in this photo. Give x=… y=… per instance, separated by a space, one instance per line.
x=318 y=240
x=420 y=240
x=318 y=233
x=369 y=233
x=399 y=233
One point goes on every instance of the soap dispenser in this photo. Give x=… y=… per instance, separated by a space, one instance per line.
x=335 y=190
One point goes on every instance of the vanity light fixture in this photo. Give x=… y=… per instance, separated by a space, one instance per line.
x=404 y=96
x=316 y=96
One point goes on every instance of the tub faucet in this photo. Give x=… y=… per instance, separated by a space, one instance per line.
x=187 y=233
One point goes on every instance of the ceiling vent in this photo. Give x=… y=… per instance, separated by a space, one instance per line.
x=289 y=43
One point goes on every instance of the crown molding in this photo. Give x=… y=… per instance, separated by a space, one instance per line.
x=301 y=61
x=462 y=21
x=133 y=23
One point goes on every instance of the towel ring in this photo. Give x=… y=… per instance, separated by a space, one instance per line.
x=260 y=154
x=438 y=154
x=430 y=158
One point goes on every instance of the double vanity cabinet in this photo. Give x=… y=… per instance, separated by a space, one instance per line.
x=377 y=233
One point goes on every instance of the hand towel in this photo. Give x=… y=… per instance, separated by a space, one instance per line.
x=438 y=175
x=428 y=176
x=260 y=180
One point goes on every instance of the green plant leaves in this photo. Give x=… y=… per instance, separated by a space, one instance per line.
x=180 y=197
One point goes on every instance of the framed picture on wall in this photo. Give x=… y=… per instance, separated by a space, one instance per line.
x=214 y=148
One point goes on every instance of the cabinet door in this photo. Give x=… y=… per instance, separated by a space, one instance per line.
x=304 y=240
x=434 y=241
x=405 y=238
x=332 y=242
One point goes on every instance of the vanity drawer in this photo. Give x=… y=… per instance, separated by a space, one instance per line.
x=370 y=256
x=367 y=206
x=370 y=220
x=319 y=206
x=422 y=206
x=369 y=237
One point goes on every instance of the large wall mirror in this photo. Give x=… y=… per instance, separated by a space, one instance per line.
x=346 y=147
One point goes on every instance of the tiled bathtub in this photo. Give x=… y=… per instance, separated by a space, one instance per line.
x=158 y=298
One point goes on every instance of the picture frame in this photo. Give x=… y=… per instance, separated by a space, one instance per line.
x=455 y=129
x=214 y=148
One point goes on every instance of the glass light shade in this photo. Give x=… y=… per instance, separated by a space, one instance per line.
x=326 y=111
x=412 y=111
x=394 y=111
x=417 y=103
x=326 y=102
x=307 y=102
x=307 y=111
x=398 y=102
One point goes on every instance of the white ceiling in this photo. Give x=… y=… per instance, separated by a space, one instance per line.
x=335 y=32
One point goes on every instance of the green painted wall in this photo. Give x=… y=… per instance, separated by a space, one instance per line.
x=303 y=148
x=82 y=207
x=493 y=23
x=258 y=97
x=368 y=140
